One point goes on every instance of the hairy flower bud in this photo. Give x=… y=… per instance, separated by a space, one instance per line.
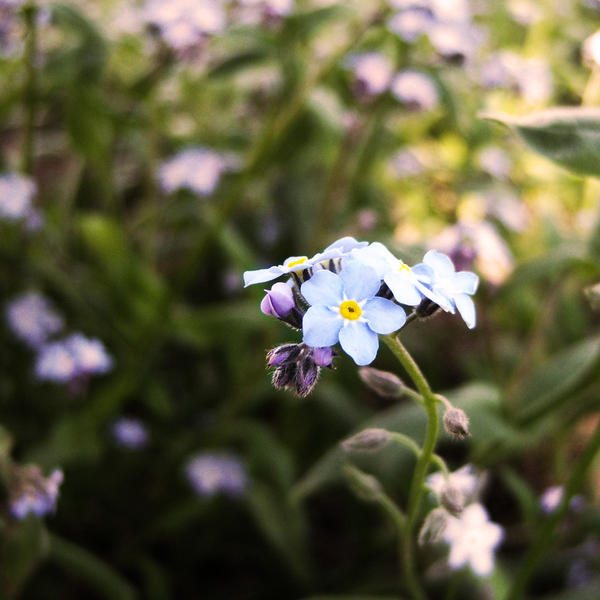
x=382 y=383
x=433 y=527
x=306 y=376
x=279 y=301
x=283 y=354
x=368 y=440
x=456 y=423
x=284 y=375
x=365 y=486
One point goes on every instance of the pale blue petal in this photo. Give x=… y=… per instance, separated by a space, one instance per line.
x=360 y=282
x=321 y=326
x=383 y=316
x=465 y=282
x=360 y=342
x=440 y=263
x=466 y=308
x=323 y=288
x=345 y=244
x=376 y=256
x=424 y=273
x=403 y=289
x=262 y=275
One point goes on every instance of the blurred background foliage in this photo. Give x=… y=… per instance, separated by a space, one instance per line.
x=94 y=101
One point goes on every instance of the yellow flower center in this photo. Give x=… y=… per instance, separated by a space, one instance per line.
x=295 y=263
x=350 y=310
x=404 y=267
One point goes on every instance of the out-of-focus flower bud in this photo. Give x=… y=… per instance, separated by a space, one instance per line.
x=279 y=301
x=456 y=423
x=452 y=499
x=365 y=486
x=382 y=383
x=368 y=440
x=323 y=357
x=433 y=527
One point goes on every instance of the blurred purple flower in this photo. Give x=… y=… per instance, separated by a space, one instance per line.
x=372 y=73
x=415 y=89
x=32 y=493
x=16 y=193
x=55 y=362
x=129 y=433
x=32 y=319
x=89 y=354
x=211 y=473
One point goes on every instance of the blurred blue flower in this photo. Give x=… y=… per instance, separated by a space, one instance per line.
x=372 y=71
x=32 y=493
x=411 y=23
x=451 y=290
x=16 y=193
x=292 y=264
x=344 y=308
x=89 y=354
x=55 y=362
x=184 y=24
x=196 y=169
x=32 y=319
x=415 y=89
x=211 y=473
x=129 y=433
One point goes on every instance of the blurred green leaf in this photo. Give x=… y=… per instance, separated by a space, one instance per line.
x=84 y=565
x=232 y=64
x=525 y=496
x=283 y=524
x=303 y=25
x=569 y=136
x=555 y=379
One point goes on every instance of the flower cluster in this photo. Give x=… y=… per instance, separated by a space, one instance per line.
x=31 y=492
x=462 y=522
x=75 y=357
x=350 y=294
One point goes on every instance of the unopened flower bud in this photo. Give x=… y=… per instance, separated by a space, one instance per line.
x=279 y=301
x=368 y=440
x=383 y=383
x=433 y=527
x=452 y=499
x=456 y=423
x=365 y=486
x=283 y=354
x=323 y=357
x=306 y=376
x=284 y=375
x=426 y=308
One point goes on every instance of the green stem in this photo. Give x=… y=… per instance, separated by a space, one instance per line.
x=30 y=89
x=409 y=443
x=547 y=533
x=425 y=457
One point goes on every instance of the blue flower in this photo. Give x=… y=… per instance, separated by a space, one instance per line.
x=32 y=319
x=55 y=362
x=344 y=308
x=407 y=286
x=89 y=354
x=211 y=473
x=293 y=264
x=34 y=493
x=450 y=290
x=130 y=433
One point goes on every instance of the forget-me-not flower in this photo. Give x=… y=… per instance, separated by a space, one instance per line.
x=464 y=480
x=33 y=493
x=339 y=248
x=89 y=354
x=472 y=538
x=129 y=433
x=16 y=193
x=211 y=473
x=407 y=286
x=55 y=362
x=345 y=308
x=452 y=290
x=415 y=89
x=32 y=319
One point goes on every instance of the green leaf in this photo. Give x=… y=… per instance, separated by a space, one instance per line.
x=232 y=64
x=554 y=380
x=89 y=568
x=569 y=136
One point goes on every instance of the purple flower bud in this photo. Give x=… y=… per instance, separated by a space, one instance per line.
x=279 y=301
x=306 y=376
x=283 y=354
x=323 y=357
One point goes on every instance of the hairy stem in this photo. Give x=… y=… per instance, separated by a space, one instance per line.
x=425 y=457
